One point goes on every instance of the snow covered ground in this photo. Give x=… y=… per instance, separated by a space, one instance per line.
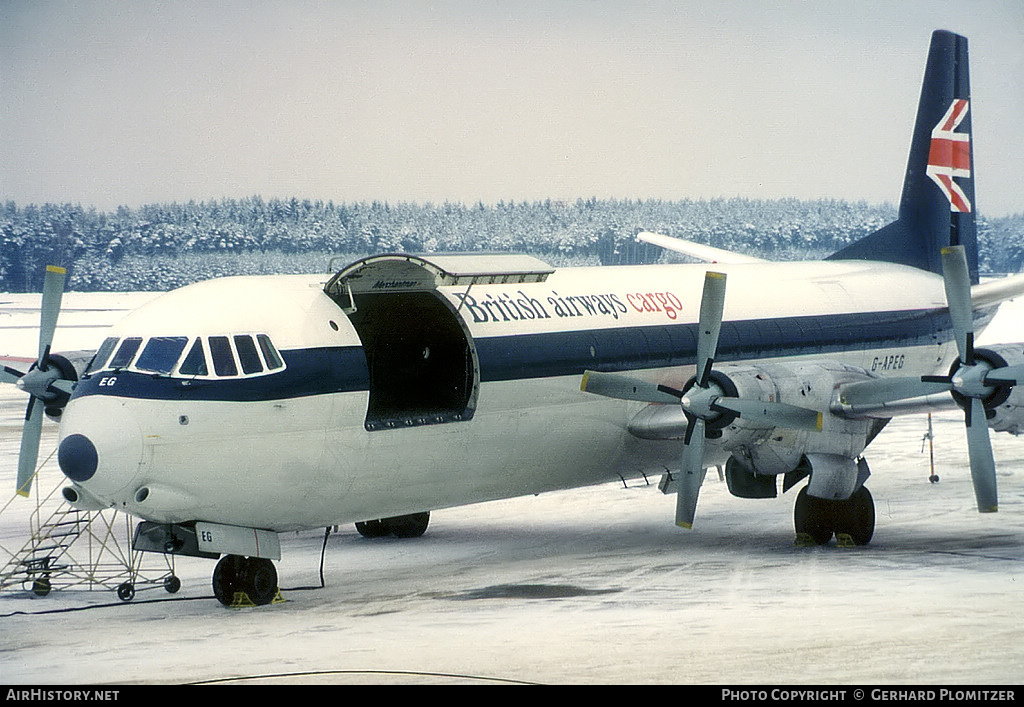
x=588 y=586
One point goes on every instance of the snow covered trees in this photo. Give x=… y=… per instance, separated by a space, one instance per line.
x=159 y=246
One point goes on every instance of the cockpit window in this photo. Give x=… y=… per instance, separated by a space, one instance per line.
x=223 y=359
x=229 y=356
x=247 y=354
x=270 y=354
x=195 y=363
x=126 y=352
x=161 y=353
x=102 y=355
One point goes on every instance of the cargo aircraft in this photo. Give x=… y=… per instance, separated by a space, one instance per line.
x=231 y=410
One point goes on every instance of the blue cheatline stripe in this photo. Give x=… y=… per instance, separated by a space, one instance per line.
x=307 y=372
x=569 y=353
x=563 y=353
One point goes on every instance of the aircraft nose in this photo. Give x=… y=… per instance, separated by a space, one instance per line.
x=77 y=457
x=101 y=447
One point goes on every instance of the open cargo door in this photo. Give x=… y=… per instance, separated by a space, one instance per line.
x=420 y=353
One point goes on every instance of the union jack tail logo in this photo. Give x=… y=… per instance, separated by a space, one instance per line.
x=950 y=155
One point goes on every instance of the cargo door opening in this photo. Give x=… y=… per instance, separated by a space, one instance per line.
x=421 y=363
x=419 y=351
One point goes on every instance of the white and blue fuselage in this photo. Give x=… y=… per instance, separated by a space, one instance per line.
x=287 y=437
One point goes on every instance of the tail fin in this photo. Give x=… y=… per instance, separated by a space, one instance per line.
x=937 y=206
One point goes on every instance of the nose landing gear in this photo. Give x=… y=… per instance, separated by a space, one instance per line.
x=236 y=579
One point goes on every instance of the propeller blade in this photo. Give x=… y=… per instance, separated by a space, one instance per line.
x=29 y=454
x=38 y=380
x=63 y=385
x=49 y=310
x=1012 y=375
x=613 y=385
x=886 y=390
x=983 y=465
x=691 y=475
x=956 y=278
x=10 y=375
x=777 y=414
x=709 y=326
x=957 y=281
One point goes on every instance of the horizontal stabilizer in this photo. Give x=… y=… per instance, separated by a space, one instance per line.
x=700 y=251
x=999 y=290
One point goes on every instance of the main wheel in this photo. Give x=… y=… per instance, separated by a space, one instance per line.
x=371 y=528
x=813 y=517
x=856 y=517
x=410 y=526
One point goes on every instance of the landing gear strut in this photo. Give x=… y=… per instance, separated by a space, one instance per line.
x=255 y=577
x=852 y=520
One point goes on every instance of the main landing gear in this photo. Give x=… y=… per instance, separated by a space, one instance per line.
x=817 y=519
x=236 y=578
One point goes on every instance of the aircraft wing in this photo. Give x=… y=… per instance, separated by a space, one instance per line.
x=16 y=361
x=696 y=250
x=896 y=396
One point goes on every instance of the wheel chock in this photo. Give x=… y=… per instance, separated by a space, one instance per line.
x=804 y=540
x=241 y=600
x=845 y=540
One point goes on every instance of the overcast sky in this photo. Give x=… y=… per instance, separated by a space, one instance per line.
x=105 y=103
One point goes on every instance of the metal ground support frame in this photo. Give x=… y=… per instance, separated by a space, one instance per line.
x=71 y=549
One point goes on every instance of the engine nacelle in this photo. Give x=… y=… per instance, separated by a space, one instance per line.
x=69 y=366
x=766 y=449
x=1008 y=415
x=780 y=450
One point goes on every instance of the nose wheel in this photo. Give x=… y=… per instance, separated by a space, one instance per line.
x=254 y=578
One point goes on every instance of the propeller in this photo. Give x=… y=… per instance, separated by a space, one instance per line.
x=969 y=379
x=704 y=400
x=972 y=381
x=45 y=381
